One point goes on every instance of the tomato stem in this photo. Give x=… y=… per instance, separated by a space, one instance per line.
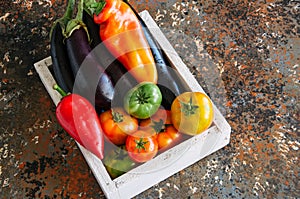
x=188 y=108
x=140 y=144
x=117 y=117
x=158 y=126
x=142 y=97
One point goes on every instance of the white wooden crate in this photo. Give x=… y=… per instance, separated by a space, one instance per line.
x=165 y=164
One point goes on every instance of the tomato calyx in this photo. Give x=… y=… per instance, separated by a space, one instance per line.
x=120 y=154
x=158 y=126
x=188 y=108
x=117 y=117
x=142 y=97
x=140 y=144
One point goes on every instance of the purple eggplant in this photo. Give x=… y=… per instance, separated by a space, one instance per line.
x=91 y=81
x=92 y=28
x=60 y=61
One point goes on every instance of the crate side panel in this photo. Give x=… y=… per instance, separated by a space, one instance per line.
x=47 y=79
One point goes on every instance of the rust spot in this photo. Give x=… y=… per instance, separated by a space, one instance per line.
x=229 y=103
x=22 y=165
x=254 y=94
x=45 y=101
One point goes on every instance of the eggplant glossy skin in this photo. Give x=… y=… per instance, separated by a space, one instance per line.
x=60 y=61
x=92 y=28
x=90 y=79
x=120 y=77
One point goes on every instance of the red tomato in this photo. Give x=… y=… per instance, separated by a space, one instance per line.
x=156 y=122
x=168 y=137
x=117 y=125
x=163 y=114
x=141 y=147
x=159 y=125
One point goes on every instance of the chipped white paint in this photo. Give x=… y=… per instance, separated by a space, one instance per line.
x=258 y=187
x=6 y=57
x=3 y=18
x=193 y=189
x=159 y=15
x=35 y=139
x=230 y=171
x=176 y=187
x=295 y=145
x=5 y=182
x=160 y=192
x=45 y=3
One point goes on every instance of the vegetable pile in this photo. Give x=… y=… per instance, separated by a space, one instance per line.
x=121 y=100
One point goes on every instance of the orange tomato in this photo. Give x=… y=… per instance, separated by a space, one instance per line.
x=117 y=125
x=168 y=137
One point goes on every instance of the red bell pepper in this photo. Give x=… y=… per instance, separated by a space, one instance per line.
x=78 y=117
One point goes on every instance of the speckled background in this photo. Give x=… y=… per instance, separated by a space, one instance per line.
x=244 y=53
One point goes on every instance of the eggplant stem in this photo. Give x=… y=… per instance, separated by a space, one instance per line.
x=79 y=11
x=69 y=12
x=60 y=90
x=63 y=21
x=77 y=22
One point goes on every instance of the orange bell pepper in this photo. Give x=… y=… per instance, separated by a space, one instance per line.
x=122 y=34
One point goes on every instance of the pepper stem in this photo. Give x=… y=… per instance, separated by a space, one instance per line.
x=60 y=90
x=93 y=7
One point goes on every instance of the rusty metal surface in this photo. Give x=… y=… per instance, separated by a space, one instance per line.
x=244 y=53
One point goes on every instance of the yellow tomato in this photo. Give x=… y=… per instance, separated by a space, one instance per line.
x=192 y=113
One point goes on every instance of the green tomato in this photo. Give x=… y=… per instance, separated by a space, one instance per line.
x=143 y=100
x=117 y=162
